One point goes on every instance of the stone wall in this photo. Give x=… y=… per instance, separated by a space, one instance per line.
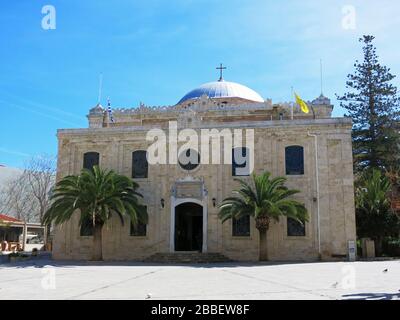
x=335 y=198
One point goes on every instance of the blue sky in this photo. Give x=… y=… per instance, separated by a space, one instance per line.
x=156 y=51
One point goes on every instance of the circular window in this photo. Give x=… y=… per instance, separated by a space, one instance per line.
x=189 y=159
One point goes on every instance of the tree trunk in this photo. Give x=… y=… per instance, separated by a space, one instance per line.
x=46 y=240
x=262 y=225
x=263 y=245
x=97 y=243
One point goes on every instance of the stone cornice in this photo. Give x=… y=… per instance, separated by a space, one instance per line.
x=278 y=124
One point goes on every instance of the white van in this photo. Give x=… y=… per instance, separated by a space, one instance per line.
x=33 y=241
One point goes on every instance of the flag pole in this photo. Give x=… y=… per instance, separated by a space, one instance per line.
x=100 y=86
x=109 y=110
x=291 y=106
x=320 y=70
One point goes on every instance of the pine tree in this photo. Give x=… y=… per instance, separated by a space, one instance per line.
x=373 y=104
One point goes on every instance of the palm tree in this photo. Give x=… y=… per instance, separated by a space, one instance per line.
x=264 y=199
x=97 y=194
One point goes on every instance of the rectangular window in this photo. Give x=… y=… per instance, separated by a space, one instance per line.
x=139 y=230
x=140 y=166
x=240 y=162
x=90 y=159
x=241 y=227
x=295 y=228
x=86 y=229
x=294 y=160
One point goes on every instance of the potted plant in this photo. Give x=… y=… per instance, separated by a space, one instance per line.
x=17 y=256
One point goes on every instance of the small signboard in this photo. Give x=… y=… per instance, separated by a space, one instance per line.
x=189 y=190
x=352 y=250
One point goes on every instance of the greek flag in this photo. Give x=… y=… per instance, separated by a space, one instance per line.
x=110 y=111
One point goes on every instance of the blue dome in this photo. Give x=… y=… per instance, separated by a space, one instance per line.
x=223 y=89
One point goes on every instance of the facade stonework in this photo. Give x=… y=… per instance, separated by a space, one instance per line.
x=326 y=185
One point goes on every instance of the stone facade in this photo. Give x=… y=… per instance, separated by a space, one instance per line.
x=326 y=185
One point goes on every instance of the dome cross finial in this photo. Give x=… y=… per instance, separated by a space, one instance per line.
x=220 y=71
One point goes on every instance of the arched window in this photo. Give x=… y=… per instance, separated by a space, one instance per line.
x=138 y=230
x=294 y=160
x=140 y=166
x=90 y=159
x=240 y=161
x=241 y=227
x=295 y=228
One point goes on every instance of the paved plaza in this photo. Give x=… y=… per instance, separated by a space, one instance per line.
x=47 y=279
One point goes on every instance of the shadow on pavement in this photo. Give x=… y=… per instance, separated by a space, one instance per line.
x=372 y=296
x=46 y=262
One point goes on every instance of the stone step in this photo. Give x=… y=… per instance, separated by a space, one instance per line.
x=187 y=257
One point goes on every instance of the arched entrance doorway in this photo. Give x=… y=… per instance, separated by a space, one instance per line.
x=188 y=227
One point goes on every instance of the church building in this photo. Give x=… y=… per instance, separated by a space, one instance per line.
x=312 y=150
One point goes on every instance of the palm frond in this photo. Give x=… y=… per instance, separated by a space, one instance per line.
x=263 y=197
x=97 y=194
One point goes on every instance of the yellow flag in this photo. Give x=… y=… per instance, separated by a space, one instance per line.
x=301 y=103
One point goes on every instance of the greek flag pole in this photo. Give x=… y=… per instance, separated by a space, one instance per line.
x=109 y=110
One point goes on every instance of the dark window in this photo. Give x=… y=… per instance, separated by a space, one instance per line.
x=86 y=229
x=241 y=227
x=90 y=159
x=295 y=228
x=189 y=159
x=140 y=166
x=240 y=162
x=140 y=229
x=294 y=160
